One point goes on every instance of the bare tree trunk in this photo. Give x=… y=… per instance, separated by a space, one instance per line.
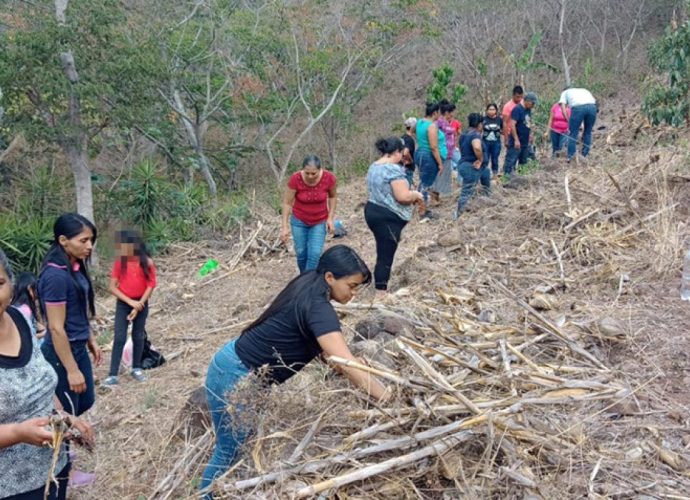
x=76 y=153
x=205 y=167
x=566 y=66
x=195 y=136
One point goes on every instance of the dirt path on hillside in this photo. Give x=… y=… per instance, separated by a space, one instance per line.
x=608 y=248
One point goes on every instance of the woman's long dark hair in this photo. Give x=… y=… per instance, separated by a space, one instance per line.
x=23 y=286
x=70 y=225
x=300 y=293
x=131 y=237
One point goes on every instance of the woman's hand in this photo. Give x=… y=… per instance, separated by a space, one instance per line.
x=33 y=432
x=85 y=432
x=132 y=315
x=77 y=382
x=136 y=304
x=95 y=351
x=517 y=144
x=285 y=235
x=477 y=164
x=330 y=226
x=440 y=168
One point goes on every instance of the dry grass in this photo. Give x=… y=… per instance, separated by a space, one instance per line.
x=587 y=397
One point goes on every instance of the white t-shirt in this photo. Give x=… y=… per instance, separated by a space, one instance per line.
x=577 y=97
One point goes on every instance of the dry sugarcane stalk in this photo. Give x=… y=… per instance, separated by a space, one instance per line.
x=560 y=261
x=506 y=366
x=389 y=445
x=59 y=425
x=375 y=429
x=454 y=359
x=436 y=377
x=176 y=476
x=568 y=198
x=524 y=358
x=437 y=448
x=305 y=441
x=550 y=327
x=393 y=377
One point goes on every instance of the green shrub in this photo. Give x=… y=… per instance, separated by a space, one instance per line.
x=670 y=103
x=25 y=240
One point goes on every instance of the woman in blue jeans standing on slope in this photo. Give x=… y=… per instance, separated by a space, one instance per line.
x=298 y=326
x=309 y=208
x=67 y=301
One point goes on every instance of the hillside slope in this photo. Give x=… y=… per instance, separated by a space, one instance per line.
x=595 y=248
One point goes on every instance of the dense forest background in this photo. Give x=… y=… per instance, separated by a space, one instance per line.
x=183 y=118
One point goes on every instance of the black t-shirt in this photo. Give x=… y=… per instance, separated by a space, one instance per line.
x=492 y=128
x=26 y=348
x=523 y=124
x=466 y=149
x=278 y=343
x=409 y=144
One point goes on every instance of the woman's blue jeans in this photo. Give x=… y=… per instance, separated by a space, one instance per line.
x=308 y=241
x=587 y=114
x=493 y=151
x=73 y=402
x=558 y=140
x=470 y=178
x=428 y=171
x=224 y=372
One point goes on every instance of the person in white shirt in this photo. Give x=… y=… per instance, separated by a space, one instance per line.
x=583 y=109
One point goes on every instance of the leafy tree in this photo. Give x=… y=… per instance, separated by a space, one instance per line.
x=440 y=88
x=670 y=54
x=68 y=71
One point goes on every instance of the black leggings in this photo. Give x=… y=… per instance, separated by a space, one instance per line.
x=122 y=310
x=386 y=226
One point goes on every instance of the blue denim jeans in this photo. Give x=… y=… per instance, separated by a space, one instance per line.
x=513 y=156
x=493 y=151
x=224 y=372
x=470 y=177
x=72 y=402
x=428 y=171
x=586 y=114
x=308 y=241
x=558 y=140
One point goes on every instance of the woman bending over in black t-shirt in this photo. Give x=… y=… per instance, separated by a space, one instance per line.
x=299 y=325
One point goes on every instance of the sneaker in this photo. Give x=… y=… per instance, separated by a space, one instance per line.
x=138 y=375
x=110 y=381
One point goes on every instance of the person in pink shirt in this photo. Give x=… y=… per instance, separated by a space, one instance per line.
x=444 y=182
x=557 y=128
x=518 y=94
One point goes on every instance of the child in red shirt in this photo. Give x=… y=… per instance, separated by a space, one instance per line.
x=132 y=281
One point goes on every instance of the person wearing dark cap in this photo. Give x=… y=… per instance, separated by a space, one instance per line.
x=520 y=127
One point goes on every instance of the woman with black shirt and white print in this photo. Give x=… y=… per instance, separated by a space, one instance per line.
x=27 y=399
x=299 y=325
x=491 y=135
